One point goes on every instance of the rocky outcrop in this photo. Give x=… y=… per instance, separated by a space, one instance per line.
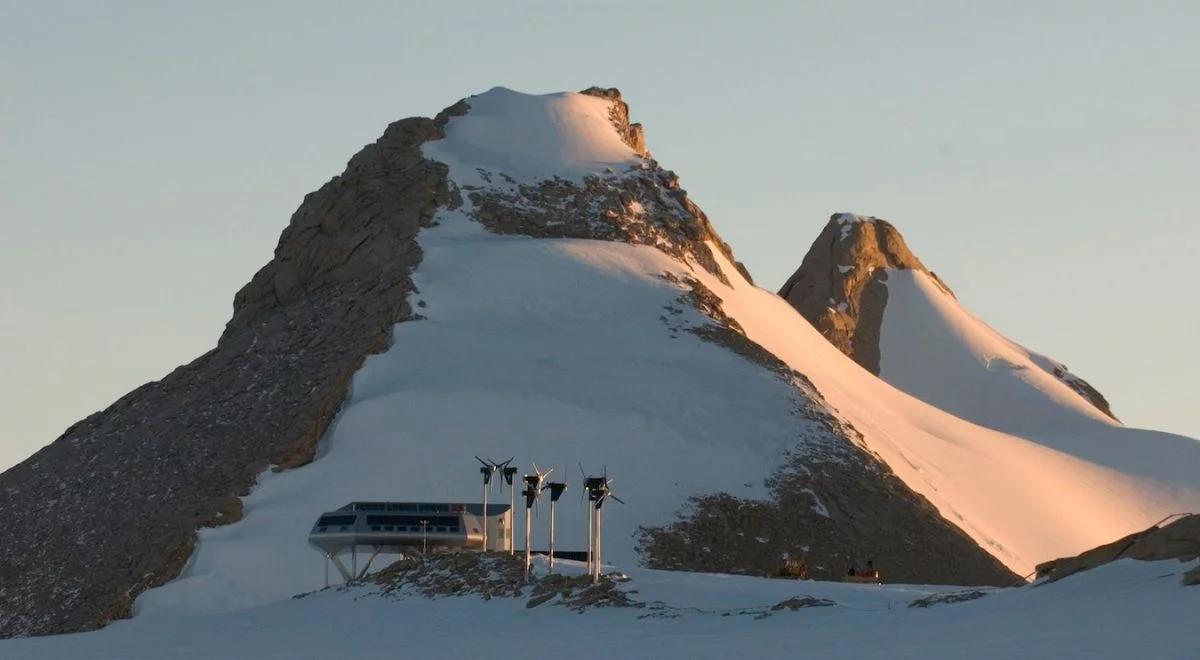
x=111 y=508
x=498 y=575
x=632 y=134
x=840 y=288
x=1178 y=539
x=1084 y=389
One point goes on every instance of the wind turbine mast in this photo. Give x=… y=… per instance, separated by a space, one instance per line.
x=487 y=469
x=556 y=489
x=599 y=489
x=510 y=471
x=533 y=490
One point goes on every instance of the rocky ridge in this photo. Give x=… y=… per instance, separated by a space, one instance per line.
x=111 y=508
x=1177 y=539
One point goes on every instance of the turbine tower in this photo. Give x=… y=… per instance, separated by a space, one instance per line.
x=556 y=489
x=510 y=471
x=487 y=469
x=599 y=490
x=533 y=490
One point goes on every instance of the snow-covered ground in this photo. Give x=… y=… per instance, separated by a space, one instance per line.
x=1122 y=610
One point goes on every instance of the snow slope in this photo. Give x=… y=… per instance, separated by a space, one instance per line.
x=529 y=138
x=559 y=351
x=547 y=350
x=1122 y=610
x=939 y=352
x=934 y=349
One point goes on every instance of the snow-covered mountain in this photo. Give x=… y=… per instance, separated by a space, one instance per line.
x=865 y=290
x=518 y=277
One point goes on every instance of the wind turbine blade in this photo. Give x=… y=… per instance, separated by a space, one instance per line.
x=616 y=498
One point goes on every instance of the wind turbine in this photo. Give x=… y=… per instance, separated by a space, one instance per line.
x=556 y=489
x=533 y=489
x=510 y=471
x=487 y=468
x=599 y=489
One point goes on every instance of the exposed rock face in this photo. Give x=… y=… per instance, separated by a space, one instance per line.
x=839 y=286
x=111 y=508
x=632 y=134
x=1180 y=539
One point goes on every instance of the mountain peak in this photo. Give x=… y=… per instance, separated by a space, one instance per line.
x=570 y=165
x=839 y=285
x=870 y=242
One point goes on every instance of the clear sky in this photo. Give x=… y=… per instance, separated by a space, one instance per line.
x=1043 y=158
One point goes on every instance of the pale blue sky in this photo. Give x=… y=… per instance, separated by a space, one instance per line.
x=1043 y=159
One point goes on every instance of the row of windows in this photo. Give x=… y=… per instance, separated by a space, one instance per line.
x=392 y=523
x=410 y=528
x=413 y=521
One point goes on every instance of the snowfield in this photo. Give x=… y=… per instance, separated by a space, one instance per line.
x=568 y=351
x=937 y=351
x=1122 y=610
